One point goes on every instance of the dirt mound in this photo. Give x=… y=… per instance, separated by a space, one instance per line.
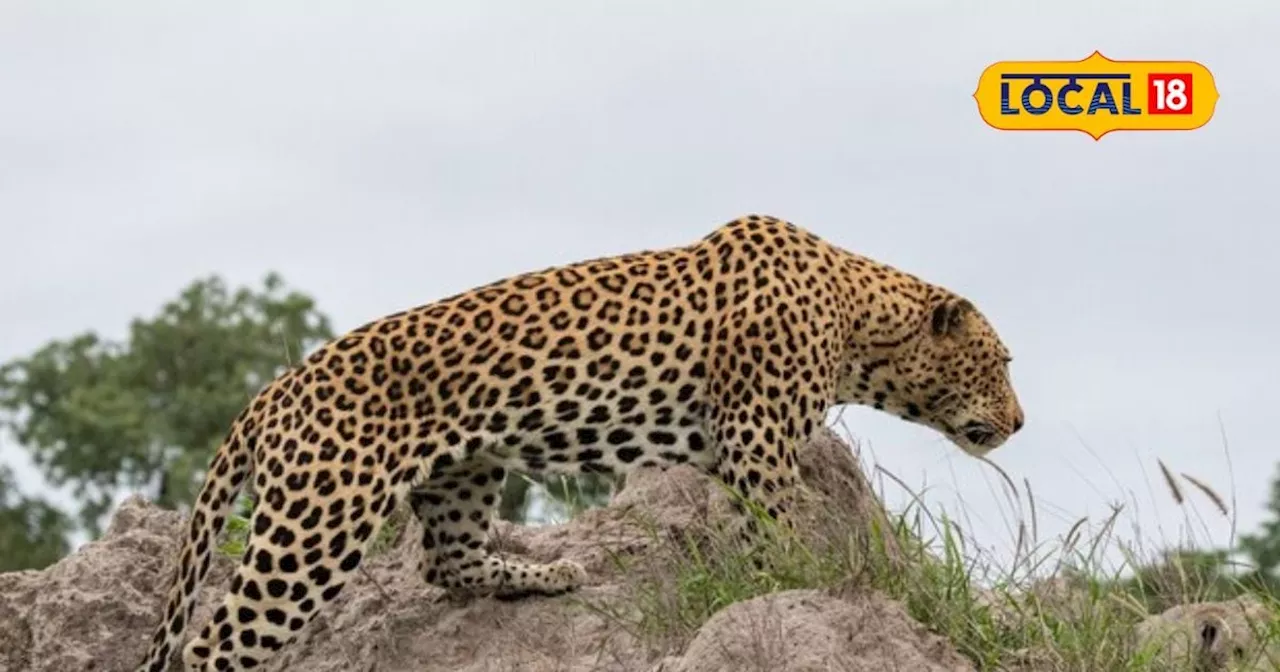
x=89 y=610
x=810 y=631
x=94 y=610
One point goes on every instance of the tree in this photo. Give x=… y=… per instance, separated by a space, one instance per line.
x=146 y=413
x=33 y=534
x=1263 y=548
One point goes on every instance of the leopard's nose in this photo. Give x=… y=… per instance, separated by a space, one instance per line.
x=1017 y=422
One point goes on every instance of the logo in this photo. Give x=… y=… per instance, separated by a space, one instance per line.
x=1096 y=95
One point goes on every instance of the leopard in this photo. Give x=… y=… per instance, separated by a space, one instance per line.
x=724 y=354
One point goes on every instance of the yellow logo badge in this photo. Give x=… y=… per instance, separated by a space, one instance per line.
x=1096 y=95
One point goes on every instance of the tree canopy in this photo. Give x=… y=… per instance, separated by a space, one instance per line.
x=1263 y=548
x=145 y=413
x=32 y=532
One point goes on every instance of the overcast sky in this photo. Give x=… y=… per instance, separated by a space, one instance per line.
x=381 y=155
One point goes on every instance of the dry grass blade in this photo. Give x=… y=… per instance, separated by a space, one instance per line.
x=1209 y=492
x=1073 y=535
x=915 y=497
x=1021 y=544
x=1009 y=481
x=1031 y=502
x=1169 y=481
x=376 y=584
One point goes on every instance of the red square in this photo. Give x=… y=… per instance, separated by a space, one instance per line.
x=1169 y=93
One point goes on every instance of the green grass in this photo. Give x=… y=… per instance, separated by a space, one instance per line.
x=1007 y=626
x=236 y=533
x=1001 y=618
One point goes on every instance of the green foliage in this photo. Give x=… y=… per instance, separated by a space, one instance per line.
x=33 y=534
x=146 y=413
x=1263 y=548
x=236 y=533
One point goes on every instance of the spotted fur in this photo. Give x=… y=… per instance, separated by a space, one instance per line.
x=724 y=354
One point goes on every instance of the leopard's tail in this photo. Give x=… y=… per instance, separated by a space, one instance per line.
x=231 y=465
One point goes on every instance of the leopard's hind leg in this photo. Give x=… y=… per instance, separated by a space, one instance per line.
x=455 y=506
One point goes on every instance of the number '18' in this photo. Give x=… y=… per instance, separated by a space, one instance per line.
x=1169 y=93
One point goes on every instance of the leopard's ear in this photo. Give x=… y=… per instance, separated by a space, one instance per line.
x=948 y=316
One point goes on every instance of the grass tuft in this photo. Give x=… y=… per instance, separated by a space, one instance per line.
x=1058 y=606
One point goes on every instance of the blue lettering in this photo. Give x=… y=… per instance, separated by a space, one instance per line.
x=1040 y=88
x=1126 y=98
x=1061 y=95
x=1103 y=91
x=1071 y=87
x=1004 y=100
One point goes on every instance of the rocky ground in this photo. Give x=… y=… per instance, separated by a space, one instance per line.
x=95 y=609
